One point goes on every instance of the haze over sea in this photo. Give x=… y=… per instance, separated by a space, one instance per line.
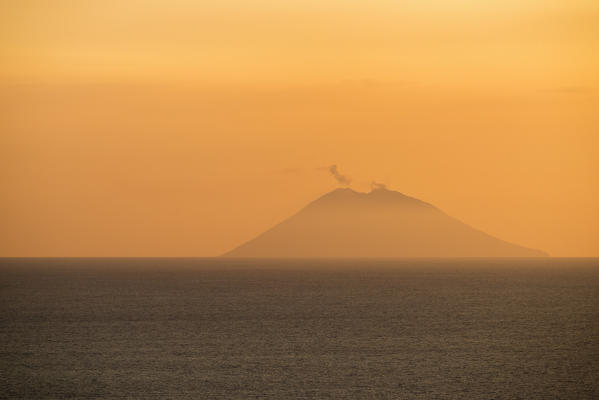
x=234 y=328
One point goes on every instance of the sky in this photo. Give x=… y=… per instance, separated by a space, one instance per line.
x=184 y=128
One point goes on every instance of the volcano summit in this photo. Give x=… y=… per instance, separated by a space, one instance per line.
x=382 y=223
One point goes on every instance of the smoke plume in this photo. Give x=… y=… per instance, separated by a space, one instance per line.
x=374 y=185
x=342 y=179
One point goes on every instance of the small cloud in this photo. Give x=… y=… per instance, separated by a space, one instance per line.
x=290 y=171
x=570 y=89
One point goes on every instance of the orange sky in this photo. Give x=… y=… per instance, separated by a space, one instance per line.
x=183 y=128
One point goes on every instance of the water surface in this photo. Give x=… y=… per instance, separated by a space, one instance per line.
x=226 y=329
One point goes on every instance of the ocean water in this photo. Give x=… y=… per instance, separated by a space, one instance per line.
x=311 y=329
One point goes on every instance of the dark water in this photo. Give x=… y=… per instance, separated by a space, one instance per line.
x=226 y=329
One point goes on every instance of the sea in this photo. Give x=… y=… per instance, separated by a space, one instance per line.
x=218 y=328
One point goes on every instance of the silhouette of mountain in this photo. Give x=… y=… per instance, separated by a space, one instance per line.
x=382 y=223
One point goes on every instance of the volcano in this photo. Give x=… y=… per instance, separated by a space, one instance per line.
x=381 y=223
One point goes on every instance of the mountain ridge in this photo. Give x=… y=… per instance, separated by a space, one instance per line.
x=381 y=223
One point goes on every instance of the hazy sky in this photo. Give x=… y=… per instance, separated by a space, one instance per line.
x=180 y=127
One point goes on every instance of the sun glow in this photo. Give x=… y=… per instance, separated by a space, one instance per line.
x=182 y=127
